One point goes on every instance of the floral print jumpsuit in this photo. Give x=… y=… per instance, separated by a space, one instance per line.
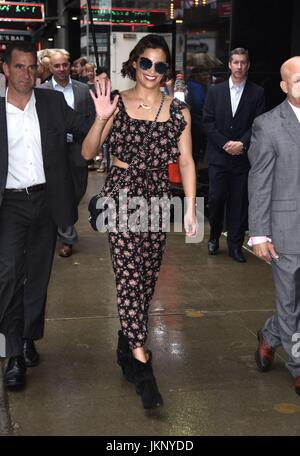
x=136 y=256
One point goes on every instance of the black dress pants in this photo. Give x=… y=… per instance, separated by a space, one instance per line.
x=228 y=188
x=80 y=180
x=27 y=242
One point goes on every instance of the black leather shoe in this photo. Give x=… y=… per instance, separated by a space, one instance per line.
x=213 y=246
x=32 y=358
x=15 y=372
x=237 y=256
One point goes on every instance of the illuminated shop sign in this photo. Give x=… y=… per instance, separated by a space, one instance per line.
x=224 y=9
x=128 y=16
x=8 y=38
x=19 y=11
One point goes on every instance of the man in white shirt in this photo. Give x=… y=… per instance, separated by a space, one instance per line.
x=36 y=195
x=229 y=110
x=77 y=97
x=274 y=217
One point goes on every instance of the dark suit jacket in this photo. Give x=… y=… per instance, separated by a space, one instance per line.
x=220 y=126
x=56 y=119
x=83 y=103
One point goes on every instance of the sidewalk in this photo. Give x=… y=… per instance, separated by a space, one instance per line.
x=203 y=324
x=5 y=422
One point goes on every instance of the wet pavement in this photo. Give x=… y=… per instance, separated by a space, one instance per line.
x=204 y=318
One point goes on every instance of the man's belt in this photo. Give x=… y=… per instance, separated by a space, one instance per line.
x=28 y=190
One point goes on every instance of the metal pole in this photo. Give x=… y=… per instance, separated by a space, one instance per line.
x=93 y=36
x=173 y=47
x=232 y=26
x=62 y=41
x=87 y=35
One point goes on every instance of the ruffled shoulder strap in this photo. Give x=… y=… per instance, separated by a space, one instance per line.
x=176 y=113
x=177 y=105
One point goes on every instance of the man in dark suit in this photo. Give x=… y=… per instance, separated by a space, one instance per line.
x=228 y=114
x=36 y=194
x=78 y=97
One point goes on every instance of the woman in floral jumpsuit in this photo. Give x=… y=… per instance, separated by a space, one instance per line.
x=140 y=169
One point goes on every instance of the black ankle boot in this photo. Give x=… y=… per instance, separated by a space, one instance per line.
x=124 y=358
x=145 y=384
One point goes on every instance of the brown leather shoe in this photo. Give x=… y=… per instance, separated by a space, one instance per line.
x=65 y=250
x=297 y=385
x=264 y=354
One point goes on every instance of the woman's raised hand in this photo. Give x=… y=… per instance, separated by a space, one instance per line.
x=103 y=105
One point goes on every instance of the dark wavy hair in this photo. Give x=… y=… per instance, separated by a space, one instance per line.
x=149 y=41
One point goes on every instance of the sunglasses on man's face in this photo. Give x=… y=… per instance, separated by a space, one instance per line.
x=146 y=64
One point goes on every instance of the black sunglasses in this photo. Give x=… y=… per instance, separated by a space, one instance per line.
x=146 y=64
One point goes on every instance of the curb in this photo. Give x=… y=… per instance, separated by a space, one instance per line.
x=5 y=421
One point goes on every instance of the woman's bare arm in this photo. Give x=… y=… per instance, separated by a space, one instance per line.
x=105 y=109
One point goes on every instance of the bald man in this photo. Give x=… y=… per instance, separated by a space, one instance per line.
x=78 y=97
x=274 y=217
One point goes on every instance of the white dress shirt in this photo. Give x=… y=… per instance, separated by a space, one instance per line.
x=25 y=159
x=296 y=111
x=260 y=239
x=236 y=92
x=69 y=97
x=67 y=91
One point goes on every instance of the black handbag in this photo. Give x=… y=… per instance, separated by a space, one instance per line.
x=95 y=207
x=95 y=212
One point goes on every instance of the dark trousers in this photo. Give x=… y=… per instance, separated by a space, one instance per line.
x=27 y=241
x=68 y=235
x=199 y=140
x=80 y=180
x=228 y=188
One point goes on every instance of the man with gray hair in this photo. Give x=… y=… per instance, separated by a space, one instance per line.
x=44 y=73
x=274 y=217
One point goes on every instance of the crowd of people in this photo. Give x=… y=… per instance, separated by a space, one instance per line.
x=56 y=116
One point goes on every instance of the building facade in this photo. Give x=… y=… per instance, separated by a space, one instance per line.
x=199 y=32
